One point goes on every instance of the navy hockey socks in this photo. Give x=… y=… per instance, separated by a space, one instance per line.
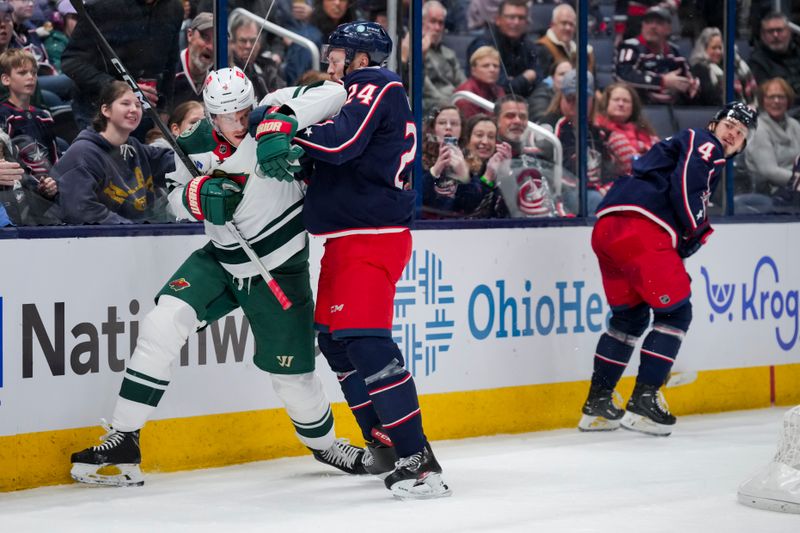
x=391 y=389
x=351 y=383
x=659 y=350
x=614 y=350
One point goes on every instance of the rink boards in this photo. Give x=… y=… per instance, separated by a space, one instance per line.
x=498 y=327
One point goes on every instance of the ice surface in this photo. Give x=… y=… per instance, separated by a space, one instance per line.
x=557 y=481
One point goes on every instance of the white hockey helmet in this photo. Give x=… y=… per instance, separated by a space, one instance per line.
x=228 y=90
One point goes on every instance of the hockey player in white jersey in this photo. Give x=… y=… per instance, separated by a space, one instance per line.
x=219 y=278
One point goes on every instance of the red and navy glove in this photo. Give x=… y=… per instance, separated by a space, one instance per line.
x=688 y=246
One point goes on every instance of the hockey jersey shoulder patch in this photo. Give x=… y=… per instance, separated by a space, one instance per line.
x=198 y=139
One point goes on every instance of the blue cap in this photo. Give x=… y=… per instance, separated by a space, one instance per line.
x=569 y=85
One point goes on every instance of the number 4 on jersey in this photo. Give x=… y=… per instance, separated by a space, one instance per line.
x=706 y=150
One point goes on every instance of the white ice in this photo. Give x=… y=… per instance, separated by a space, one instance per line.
x=556 y=481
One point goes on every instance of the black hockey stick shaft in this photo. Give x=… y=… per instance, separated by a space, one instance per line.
x=123 y=72
x=187 y=162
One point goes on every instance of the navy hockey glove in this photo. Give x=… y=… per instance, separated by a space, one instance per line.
x=212 y=199
x=276 y=156
x=687 y=247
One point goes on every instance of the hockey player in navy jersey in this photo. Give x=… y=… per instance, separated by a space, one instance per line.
x=358 y=198
x=649 y=222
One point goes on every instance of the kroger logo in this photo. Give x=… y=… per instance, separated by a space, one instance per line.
x=759 y=299
x=422 y=284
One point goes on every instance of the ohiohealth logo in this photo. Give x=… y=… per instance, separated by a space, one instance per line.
x=422 y=285
x=762 y=299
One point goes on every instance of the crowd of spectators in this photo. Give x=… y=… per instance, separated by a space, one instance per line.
x=76 y=149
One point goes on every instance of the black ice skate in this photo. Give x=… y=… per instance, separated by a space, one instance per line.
x=647 y=412
x=600 y=412
x=342 y=455
x=418 y=476
x=115 y=462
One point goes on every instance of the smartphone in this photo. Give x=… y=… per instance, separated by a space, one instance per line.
x=450 y=140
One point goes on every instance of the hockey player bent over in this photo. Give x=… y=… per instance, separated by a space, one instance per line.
x=357 y=199
x=218 y=278
x=648 y=223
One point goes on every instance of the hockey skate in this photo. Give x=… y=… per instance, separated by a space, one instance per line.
x=647 y=412
x=600 y=412
x=379 y=454
x=342 y=455
x=115 y=462
x=418 y=477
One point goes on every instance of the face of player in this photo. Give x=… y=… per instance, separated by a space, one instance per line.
x=244 y=41
x=336 y=59
x=194 y=115
x=486 y=70
x=714 y=49
x=620 y=105
x=776 y=101
x=483 y=139
x=433 y=24
x=564 y=25
x=233 y=126
x=513 y=21
x=447 y=124
x=201 y=49
x=512 y=121
x=732 y=134
x=21 y=81
x=124 y=113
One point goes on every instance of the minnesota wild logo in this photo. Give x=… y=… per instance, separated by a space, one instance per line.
x=179 y=284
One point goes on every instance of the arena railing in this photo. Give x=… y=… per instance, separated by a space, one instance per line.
x=280 y=31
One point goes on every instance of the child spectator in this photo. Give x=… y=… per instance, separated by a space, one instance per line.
x=29 y=127
x=109 y=177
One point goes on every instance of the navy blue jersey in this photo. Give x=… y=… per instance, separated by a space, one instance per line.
x=643 y=67
x=671 y=184
x=362 y=159
x=37 y=126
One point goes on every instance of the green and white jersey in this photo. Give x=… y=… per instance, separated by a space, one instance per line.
x=270 y=214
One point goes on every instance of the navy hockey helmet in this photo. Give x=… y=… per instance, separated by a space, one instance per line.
x=741 y=113
x=360 y=36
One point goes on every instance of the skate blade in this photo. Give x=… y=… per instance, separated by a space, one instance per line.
x=597 y=423
x=432 y=486
x=642 y=424
x=124 y=475
x=769 y=504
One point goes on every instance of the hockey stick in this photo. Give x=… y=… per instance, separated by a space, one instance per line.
x=123 y=72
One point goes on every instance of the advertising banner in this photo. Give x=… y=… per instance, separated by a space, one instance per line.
x=475 y=309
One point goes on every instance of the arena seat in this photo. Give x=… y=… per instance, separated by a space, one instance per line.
x=660 y=116
x=693 y=116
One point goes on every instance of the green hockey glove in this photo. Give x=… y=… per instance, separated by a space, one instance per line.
x=212 y=199
x=276 y=156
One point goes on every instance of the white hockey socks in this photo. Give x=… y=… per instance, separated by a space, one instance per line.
x=162 y=334
x=308 y=408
